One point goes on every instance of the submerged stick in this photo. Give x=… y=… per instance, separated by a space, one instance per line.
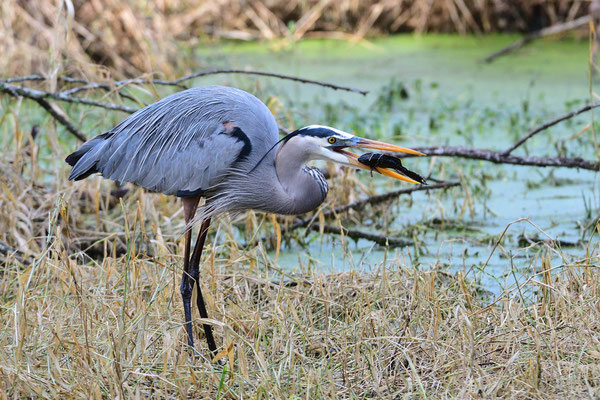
x=381 y=240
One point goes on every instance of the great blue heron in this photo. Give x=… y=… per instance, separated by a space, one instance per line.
x=222 y=144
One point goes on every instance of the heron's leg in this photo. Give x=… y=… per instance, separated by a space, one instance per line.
x=187 y=285
x=195 y=274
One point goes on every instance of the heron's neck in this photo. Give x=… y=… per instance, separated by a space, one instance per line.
x=304 y=187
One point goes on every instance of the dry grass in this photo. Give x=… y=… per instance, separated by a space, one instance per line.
x=111 y=326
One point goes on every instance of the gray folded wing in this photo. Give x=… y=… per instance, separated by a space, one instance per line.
x=180 y=145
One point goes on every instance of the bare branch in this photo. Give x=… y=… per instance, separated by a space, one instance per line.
x=273 y=75
x=548 y=125
x=381 y=240
x=179 y=82
x=371 y=200
x=390 y=195
x=551 y=30
x=60 y=118
x=35 y=94
x=40 y=95
x=90 y=85
x=499 y=158
x=17 y=91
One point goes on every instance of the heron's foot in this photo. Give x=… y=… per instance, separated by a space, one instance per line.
x=220 y=362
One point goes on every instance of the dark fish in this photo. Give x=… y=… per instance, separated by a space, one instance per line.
x=375 y=160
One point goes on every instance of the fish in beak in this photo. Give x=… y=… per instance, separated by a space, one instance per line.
x=380 y=162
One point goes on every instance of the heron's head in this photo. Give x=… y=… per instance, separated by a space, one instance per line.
x=330 y=144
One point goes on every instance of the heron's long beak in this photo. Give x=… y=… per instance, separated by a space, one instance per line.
x=374 y=144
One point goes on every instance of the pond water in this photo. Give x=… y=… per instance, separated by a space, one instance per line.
x=454 y=98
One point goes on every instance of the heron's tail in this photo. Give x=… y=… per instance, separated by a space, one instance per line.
x=85 y=158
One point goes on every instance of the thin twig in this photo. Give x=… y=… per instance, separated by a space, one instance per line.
x=117 y=84
x=30 y=78
x=26 y=78
x=547 y=125
x=95 y=85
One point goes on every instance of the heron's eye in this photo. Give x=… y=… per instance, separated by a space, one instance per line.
x=331 y=140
